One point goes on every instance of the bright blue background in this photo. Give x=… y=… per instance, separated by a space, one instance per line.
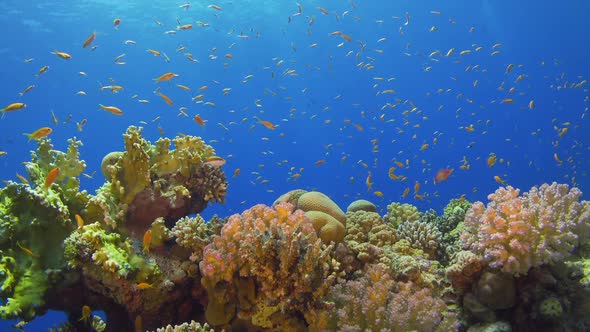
x=548 y=43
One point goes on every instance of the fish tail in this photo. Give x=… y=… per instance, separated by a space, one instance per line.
x=3 y=112
x=30 y=136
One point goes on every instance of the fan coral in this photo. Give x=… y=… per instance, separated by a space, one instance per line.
x=267 y=256
x=515 y=233
x=376 y=302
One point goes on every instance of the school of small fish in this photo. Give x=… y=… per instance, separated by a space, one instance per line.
x=376 y=129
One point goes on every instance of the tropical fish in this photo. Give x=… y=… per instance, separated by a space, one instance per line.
x=143 y=285
x=89 y=40
x=111 y=109
x=442 y=175
x=166 y=77
x=12 y=107
x=39 y=133
x=79 y=221
x=51 y=177
x=215 y=161
x=62 y=55
x=147 y=239
x=86 y=313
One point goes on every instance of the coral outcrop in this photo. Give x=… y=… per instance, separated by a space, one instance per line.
x=515 y=233
x=267 y=266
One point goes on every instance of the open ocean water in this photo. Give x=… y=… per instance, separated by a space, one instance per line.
x=324 y=95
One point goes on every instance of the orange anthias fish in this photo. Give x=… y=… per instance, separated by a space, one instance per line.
x=12 y=107
x=166 y=99
x=215 y=161
x=147 y=239
x=86 y=313
x=165 y=77
x=111 y=109
x=116 y=23
x=79 y=221
x=442 y=175
x=51 y=177
x=199 y=120
x=89 y=40
x=267 y=124
x=39 y=133
x=144 y=285
x=62 y=55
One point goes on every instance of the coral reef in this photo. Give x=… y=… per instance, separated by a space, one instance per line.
x=515 y=233
x=150 y=181
x=132 y=250
x=266 y=262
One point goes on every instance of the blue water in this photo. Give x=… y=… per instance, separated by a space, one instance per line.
x=317 y=109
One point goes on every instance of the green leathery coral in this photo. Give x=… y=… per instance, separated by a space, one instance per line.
x=91 y=244
x=34 y=221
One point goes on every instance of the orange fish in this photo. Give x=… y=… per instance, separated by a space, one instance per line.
x=491 y=160
x=62 y=55
x=27 y=251
x=144 y=285
x=346 y=37
x=111 y=109
x=267 y=124
x=165 y=77
x=442 y=175
x=199 y=120
x=406 y=192
x=416 y=187
x=86 y=313
x=154 y=52
x=147 y=239
x=89 y=40
x=166 y=98
x=237 y=172
x=216 y=7
x=79 y=221
x=39 y=133
x=51 y=177
x=215 y=161
x=116 y=23
x=499 y=179
x=12 y=107
x=320 y=162
x=184 y=27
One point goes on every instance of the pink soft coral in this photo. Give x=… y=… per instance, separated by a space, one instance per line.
x=515 y=233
